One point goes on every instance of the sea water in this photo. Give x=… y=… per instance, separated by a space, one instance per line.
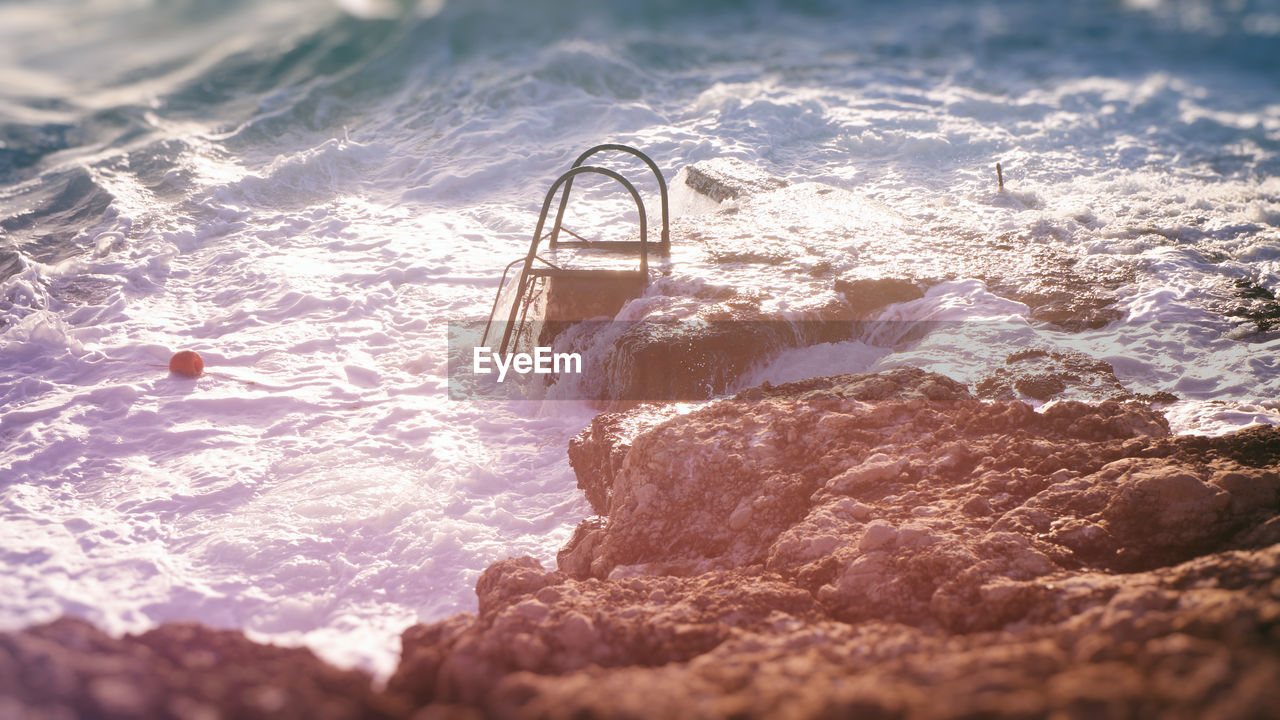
x=308 y=193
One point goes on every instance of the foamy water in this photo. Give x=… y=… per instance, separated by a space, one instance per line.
x=306 y=193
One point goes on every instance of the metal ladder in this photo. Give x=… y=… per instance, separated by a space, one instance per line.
x=531 y=275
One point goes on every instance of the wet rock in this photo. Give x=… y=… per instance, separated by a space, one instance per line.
x=1256 y=304
x=865 y=295
x=891 y=545
x=718 y=306
x=698 y=357
x=812 y=230
x=712 y=312
x=1051 y=280
x=1042 y=375
x=711 y=316
x=1071 y=309
x=68 y=668
x=567 y=301
x=728 y=178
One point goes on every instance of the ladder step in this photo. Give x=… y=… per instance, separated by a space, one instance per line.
x=556 y=272
x=611 y=245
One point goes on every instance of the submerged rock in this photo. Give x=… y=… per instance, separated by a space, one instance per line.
x=745 y=282
x=887 y=545
x=1254 y=303
x=866 y=295
x=1060 y=294
x=774 y=265
x=726 y=178
x=1045 y=374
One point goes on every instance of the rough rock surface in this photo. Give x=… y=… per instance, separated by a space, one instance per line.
x=889 y=546
x=596 y=454
x=1254 y=303
x=1045 y=374
x=778 y=476
x=1194 y=640
x=881 y=545
x=184 y=671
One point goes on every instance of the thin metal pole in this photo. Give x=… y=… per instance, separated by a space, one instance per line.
x=496 y=298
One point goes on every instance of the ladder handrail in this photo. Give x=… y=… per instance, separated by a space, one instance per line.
x=665 y=245
x=484 y=339
x=542 y=220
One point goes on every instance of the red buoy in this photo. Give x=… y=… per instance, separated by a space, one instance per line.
x=186 y=363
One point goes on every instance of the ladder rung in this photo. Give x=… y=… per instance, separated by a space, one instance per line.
x=584 y=273
x=610 y=245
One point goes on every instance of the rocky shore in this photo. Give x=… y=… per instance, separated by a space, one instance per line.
x=885 y=545
x=882 y=545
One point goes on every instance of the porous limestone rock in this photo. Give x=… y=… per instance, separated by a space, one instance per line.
x=886 y=546
x=581 y=624
x=1194 y=640
x=1041 y=374
x=878 y=545
x=596 y=453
